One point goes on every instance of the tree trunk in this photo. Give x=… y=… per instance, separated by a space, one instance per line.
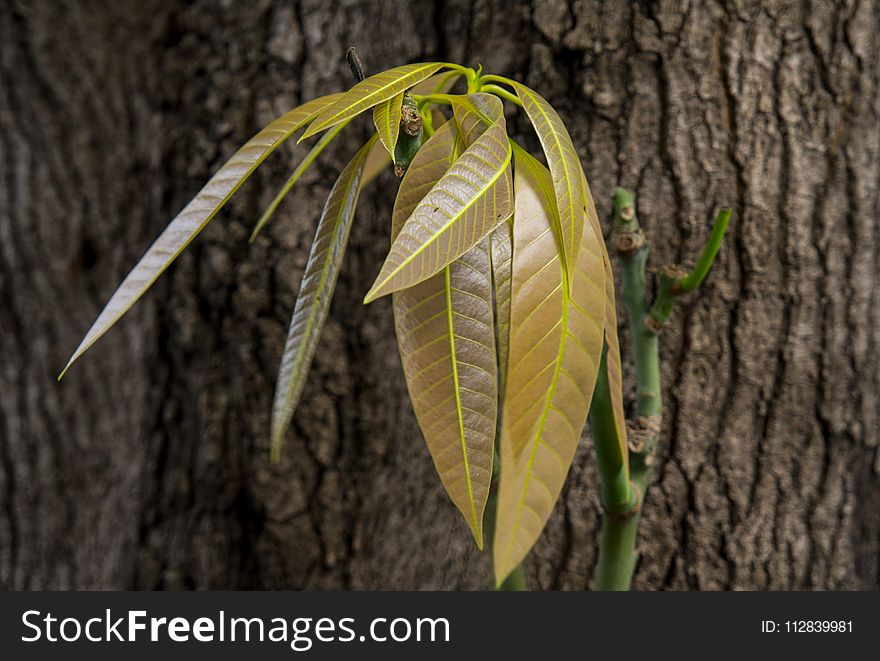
x=148 y=466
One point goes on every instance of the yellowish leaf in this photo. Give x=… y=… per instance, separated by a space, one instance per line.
x=470 y=200
x=565 y=168
x=386 y=117
x=446 y=340
x=554 y=356
x=370 y=92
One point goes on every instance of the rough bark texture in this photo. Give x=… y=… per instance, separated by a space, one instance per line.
x=148 y=466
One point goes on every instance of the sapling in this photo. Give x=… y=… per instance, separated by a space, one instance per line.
x=501 y=289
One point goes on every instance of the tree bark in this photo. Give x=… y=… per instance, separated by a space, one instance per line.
x=148 y=466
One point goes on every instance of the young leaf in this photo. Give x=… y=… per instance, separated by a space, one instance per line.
x=445 y=336
x=315 y=151
x=386 y=117
x=370 y=92
x=501 y=245
x=554 y=355
x=565 y=168
x=467 y=203
x=315 y=293
x=196 y=215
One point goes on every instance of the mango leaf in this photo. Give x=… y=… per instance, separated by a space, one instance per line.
x=370 y=92
x=196 y=215
x=555 y=352
x=315 y=293
x=565 y=168
x=501 y=244
x=445 y=336
x=298 y=172
x=386 y=117
x=439 y=83
x=612 y=360
x=464 y=206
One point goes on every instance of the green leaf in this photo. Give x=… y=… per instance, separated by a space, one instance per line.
x=446 y=341
x=196 y=215
x=370 y=92
x=325 y=140
x=554 y=355
x=315 y=293
x=386 y=117
x=565 y=168
x=464 y=206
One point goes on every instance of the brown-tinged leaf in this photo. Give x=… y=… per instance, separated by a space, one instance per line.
x=446 y=341
x=501 y=242
x=315 y=293
x=565 y=168
x=554 y=356
x=196 y=215
x=470 y=200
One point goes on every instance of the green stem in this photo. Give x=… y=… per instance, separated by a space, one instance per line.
x=617 y=496
x=620 y=500
x=502 y=93
x=617 y=554
x=693 y=279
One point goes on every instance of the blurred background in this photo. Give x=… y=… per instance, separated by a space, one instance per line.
x=148 y=466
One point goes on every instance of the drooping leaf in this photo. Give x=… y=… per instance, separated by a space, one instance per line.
x=298 y=172
x=445 y=336
x=315 y=293
x=554 y=355
x=565 y=168
x=386 y=117
x=501 y=242
x=370 y=92
x=196 y=215
x=612 y=361
x=470 y=200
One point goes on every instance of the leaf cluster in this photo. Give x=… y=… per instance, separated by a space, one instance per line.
x=500 y=281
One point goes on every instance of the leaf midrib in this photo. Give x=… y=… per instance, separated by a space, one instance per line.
x=458 y=406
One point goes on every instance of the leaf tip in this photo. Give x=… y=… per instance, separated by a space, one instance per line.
x=275 y=451
x=67 y=367
x=311 y=129
x=371 y=296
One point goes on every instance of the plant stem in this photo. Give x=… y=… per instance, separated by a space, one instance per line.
x=620 y=500
x=617 y=554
